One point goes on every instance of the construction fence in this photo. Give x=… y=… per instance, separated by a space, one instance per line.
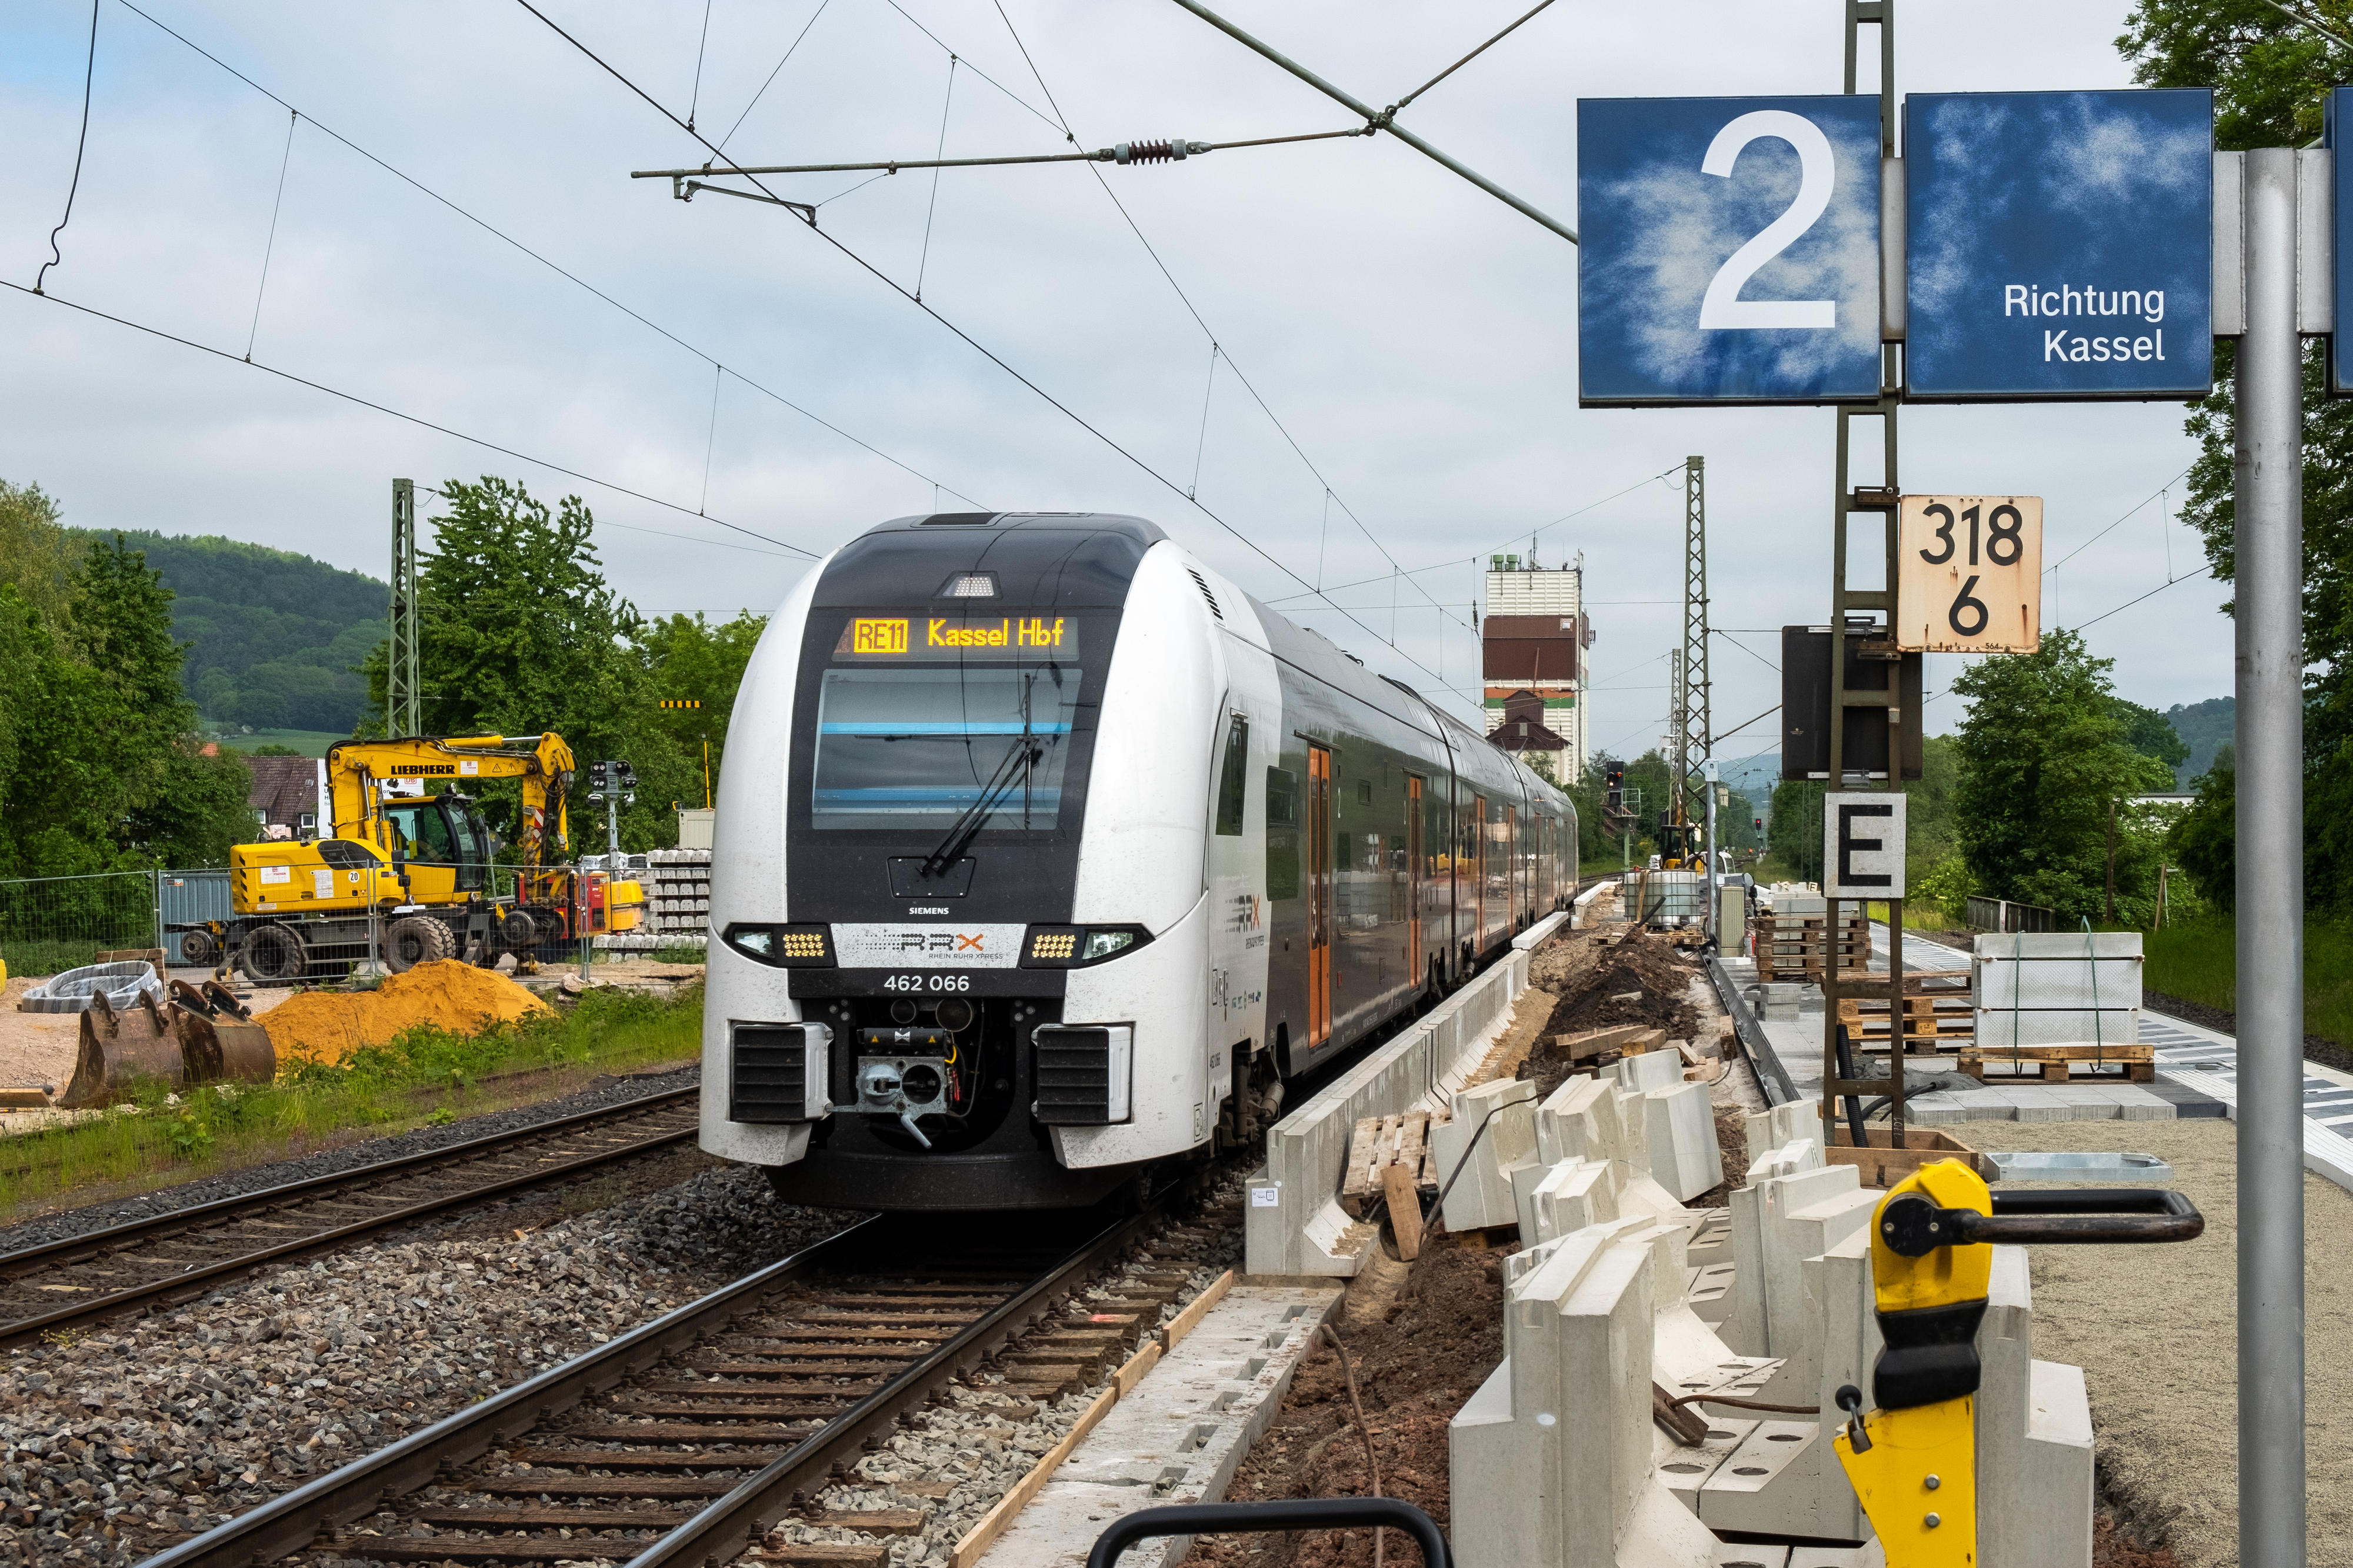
x=52 y=923
x=2002 y=915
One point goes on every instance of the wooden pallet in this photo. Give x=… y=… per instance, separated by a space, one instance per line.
x=1379 y=1141
x=1804 y=922
x=2055 y=1064
x=1814 y=960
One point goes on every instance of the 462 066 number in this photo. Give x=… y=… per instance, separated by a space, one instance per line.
x=928 y=983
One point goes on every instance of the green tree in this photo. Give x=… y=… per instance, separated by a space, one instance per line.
x=2204 y=839
x=37 y=553
x=1793 y=833
x=690 y=659
x=519 y=633
x=102 y=769
x=2271 y=76
x=2043 y=759
x=2150 y=733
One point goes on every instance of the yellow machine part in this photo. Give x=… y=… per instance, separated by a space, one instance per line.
x=1918 y=1482
x=1946 y=1275
x=283 y=877
x=1918 y=1477
x=625 y=905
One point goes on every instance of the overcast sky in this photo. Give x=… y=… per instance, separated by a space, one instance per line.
x=1414 y=338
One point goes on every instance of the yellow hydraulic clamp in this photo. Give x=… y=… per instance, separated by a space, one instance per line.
x=1913 y=1460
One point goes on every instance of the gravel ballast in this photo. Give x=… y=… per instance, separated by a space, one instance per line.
x=68 y=1224
x=128 y=1436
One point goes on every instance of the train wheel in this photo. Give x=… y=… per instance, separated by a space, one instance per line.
x=416 y=939
x=273 y=955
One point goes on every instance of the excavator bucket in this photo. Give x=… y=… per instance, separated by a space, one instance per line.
x=219 y=1041
x=120 y=1050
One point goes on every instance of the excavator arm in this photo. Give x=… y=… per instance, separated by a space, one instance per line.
x=356 y=770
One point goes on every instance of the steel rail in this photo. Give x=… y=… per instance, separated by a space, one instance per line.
x=183 y=1222
x=727 y=1527
x=299 y=1518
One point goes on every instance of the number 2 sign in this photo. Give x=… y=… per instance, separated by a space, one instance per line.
x=1730 y=250
x=1969 y=574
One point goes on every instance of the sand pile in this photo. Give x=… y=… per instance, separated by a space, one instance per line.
x=328 y=1025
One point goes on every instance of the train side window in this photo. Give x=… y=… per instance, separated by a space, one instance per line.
x=1282 y=798
x=1233 y=777
x=1281 y=834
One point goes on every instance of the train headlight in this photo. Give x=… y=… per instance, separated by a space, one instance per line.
x=1075 y=947
x=1103 y=944
x=786 y=946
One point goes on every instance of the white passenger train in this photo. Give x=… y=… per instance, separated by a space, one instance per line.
x=1046 y=855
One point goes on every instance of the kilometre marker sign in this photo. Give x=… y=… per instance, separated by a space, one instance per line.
x=1969 y=574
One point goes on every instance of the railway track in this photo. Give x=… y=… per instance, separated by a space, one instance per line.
x=686 y=1440
x=171 y=1258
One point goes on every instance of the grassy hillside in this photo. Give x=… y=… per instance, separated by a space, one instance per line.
x=276 y=637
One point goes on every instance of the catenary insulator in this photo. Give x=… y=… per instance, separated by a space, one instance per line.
x=1154 y=151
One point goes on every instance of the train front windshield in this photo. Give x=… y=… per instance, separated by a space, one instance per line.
x=914 y=746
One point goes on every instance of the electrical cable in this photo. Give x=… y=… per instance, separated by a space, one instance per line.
x=933 y=206
x=271 y=244
x=770 y=77
x=569 y=277
x=1330 y=495
x=2128 y=604
x=969 y=65
x=1750 y=652
x=703 y=47
x=974 y=343
x=419 y=420
x=89 y=75
x=2114 y=526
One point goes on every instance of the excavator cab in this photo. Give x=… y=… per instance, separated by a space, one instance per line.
x=442 y=845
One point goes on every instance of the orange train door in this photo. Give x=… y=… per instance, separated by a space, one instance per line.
x=1413 y=962
x=1319 y=895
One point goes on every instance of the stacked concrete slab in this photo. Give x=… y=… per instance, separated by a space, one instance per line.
x=2056 y=988
x=1556 y=1459
x=1503 y=1156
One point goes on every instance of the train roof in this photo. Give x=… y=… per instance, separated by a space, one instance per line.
x=1056 y=560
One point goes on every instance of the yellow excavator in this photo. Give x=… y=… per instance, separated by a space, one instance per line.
x=416 y=866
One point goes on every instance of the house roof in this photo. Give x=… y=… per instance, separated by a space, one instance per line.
x=283 y=787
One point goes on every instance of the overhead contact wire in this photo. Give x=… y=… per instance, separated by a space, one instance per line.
x=975 y=344
x=561 y=271
x=417 y=420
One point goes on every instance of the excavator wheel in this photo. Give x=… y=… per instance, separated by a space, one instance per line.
x=273 y=955
x=416 y=939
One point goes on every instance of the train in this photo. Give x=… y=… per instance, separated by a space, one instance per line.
x=1045 y=857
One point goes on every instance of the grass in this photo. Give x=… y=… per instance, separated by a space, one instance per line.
x=29 y=957
x=426 y=1076
x=2197 y=962
x=309 y=742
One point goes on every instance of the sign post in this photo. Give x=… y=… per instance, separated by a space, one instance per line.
x=2268 y=491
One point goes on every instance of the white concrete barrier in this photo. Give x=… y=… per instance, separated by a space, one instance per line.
x=1295 y=1223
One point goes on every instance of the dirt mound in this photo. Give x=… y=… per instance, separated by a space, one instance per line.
x=1416 y=1364
x=1593 y=974
x=328 y=1026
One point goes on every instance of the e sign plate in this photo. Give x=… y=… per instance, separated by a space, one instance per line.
x=2059 y=245
x=1863 y=844
x=1968 y=574
x=1730 y=250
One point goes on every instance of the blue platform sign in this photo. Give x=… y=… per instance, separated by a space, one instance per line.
x=2059 y=245
x=1728 y=250
x=2338 y=105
